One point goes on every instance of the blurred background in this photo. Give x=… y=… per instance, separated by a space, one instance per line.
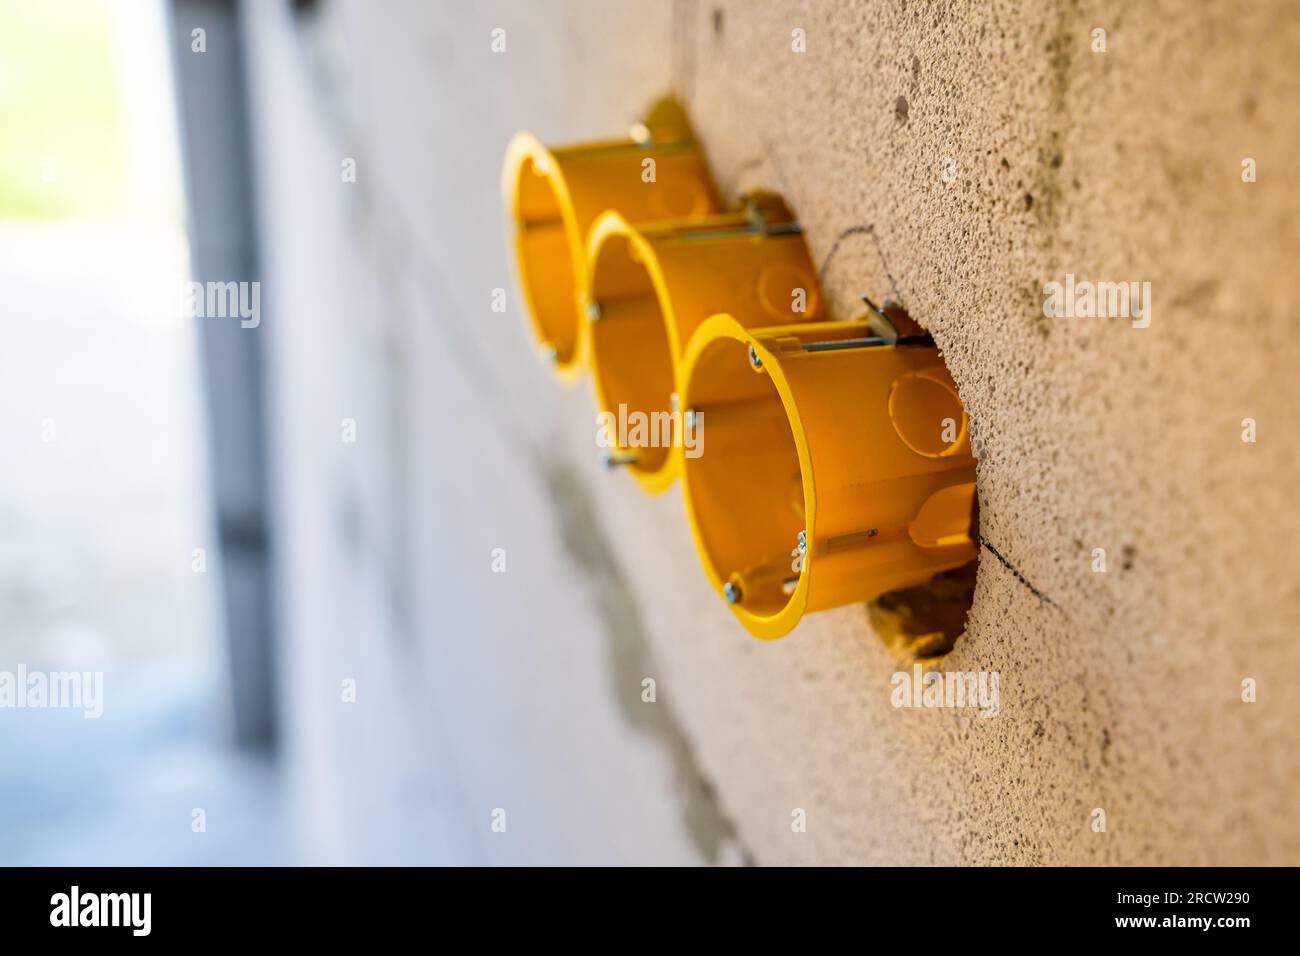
x=109 y=559
x=357 y=582
x=258 y=530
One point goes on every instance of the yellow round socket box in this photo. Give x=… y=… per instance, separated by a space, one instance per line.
x=649 y=288
x=831 y=463
x=553 y=195
x=836 y=468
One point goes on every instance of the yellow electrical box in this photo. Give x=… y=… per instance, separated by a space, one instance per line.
x=837 y=467
x=823 y=462
x=649 y=288
x=553 y=195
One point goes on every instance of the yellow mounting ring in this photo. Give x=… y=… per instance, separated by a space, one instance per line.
x=806 y=495
x=553 y=195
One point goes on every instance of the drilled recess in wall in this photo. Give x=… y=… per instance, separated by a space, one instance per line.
x=922 y=624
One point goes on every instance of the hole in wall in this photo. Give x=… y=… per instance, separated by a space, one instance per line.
x=923 y=623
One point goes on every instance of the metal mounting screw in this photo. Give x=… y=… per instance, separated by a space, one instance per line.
x=803 y=542
x=620 y=459
x=731 y=591
x=754 y=360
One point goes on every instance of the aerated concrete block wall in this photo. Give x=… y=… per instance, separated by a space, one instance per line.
x=955 y=158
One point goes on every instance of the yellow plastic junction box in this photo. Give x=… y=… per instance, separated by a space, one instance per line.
x=649 y=287
x=837 y=466
x=553 y=195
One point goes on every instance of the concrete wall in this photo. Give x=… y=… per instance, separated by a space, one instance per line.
x=475 y=691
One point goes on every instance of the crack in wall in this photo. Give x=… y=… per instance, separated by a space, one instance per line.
x=682 y=46
x=867 y=230
x=588 y=545
x=709 y=828
x=1019 y=577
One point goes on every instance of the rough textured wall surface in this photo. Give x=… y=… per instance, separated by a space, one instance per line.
x=1119 y=690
